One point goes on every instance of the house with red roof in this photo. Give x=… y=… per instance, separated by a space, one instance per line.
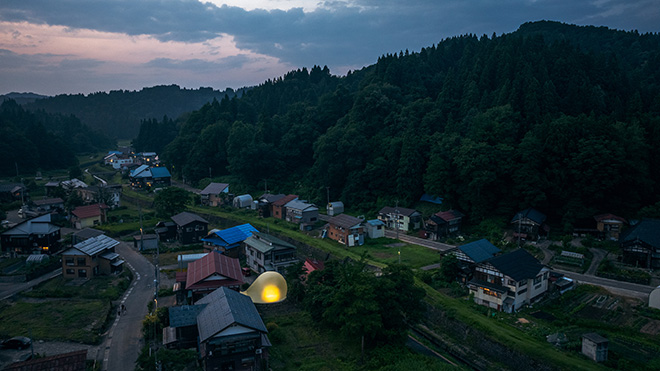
x=88 y=216
x=444 y=223
x=278 y=210
x=207 y=274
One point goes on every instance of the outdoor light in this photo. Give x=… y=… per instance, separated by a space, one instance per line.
x=269 y=287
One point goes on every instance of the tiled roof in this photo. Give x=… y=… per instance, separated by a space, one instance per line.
x=185 y=218
x=213 y=264
x=225 y=308
x=185 y=315
x=39 y=225
x=285 y=200
x=214 y=188
x=400 y=210
x=271 y=198
x=449 y=215
x=344 y=221
x=89 y=211
x=518 y=264
x=647 y=230
x=480 y=250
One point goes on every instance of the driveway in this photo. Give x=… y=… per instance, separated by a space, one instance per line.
x=124 y=339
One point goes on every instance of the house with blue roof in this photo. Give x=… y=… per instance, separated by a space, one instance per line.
x=228 y=240
x=476 y=252
x=146 y=177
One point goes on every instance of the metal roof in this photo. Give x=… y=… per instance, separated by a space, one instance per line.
x=518 y=264
x=265 y=243
x=480 y=250
x=648 y=231
x=345 y=221
x=531 y=214
x=160 y=172
x=398 y=210
x=185 y=315
x=213 y=264
x=232 y=235
x=88 y=233
x=187 y=218
x=226 y=307
x=96 y=244
x=214 y=188
x=300 y=205
x=38 y=225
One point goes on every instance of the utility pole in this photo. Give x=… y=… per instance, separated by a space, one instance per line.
x=396 y=220
x=327 y=189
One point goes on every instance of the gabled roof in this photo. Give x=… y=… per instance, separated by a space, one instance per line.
x=375 y=222
x=49 y=201
x=96 y=244
x=270 y=198
x=345 y=221
x=449 y=215
x=398 y=210
x=89 y=211
x=432 y=199
x=141 y=171
x=160 y=172
x=231 y=235
x=39 y=225
x=214 y=189
x=213 y=265
x=285 y=200
x=531 y=214
x=225 y=308
x=300 y=205
x=518 y=264
x=9 y=187
x=88 y=233
x=609 y=217
x=480 y=250
x=266 y=242
x=647 y=231
x=185 y=218
x=185 y=315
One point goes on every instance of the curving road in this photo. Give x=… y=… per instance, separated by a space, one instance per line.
x=124 y=341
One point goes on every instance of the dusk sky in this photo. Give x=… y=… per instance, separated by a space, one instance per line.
x=85 y=46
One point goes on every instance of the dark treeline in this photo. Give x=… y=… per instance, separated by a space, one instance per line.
x=558 y=117
x=31 y=141
x=119 y=113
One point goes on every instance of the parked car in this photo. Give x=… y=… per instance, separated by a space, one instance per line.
x=18 y=342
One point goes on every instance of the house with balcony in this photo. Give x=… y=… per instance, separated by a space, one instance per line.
x=92 y=257
x=265 y=252
x=509 y=281
x=400 y=218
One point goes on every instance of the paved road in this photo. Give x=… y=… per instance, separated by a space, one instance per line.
x=186 y=187
x=124 y=340
x=8 y=290
x=442 y=247
x=616 y=287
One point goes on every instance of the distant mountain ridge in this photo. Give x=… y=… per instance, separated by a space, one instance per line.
x=22 y=98
x=119 y=113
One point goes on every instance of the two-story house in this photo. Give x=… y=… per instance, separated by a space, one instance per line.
x=190 y=228
x=473 y=253
x=278 y=209
x=509 y=281
x=640 y=244
x=529 y=224
x=215 y=194
x=301 y=212
x=205 y=275
x=264 y=203
x=92 y=257
x=268 y=253
x=145 y=177
x=443 y=224
x=228 y=241
x=400 y=218
x=38 y=235
x=345 y=229
x=88 y=216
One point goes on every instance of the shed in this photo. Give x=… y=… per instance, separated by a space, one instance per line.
x=145 y=242
x=654 y=298
x=335 y=208
x=375 y=228
x=185 y=259
x=243 y=201
x=595 y=346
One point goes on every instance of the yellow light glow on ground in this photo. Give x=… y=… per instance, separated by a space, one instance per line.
x=270 y=294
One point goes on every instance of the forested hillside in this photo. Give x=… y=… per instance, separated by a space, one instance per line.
x=31 y=141
x=119 y=113
x=559 y=117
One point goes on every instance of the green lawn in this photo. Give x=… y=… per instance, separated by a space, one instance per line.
x=100 y=288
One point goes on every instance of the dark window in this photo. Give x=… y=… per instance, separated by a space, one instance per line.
x=82 y=261
x=70 y=271
x=82 y=273
x=69 y=261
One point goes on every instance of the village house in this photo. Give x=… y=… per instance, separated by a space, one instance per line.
x=345 y=229
x=85 y=234
x=88 y=216
x=443 y=224
x=145 y=242
x=190 y=228
x=278 y=209
x=509 y=281
x=264 y=203
x=119 y=160
x=228 y=241
x=37 y=235
x=640 y=244
x=335 y=208
x=400 y=218
x=215 y=194
x=301 y=212
x=146 y=177
x=14 y=192
x=205 y=275
x=610 y=226
x=227 y=328
x=529 y=224
x=109 y=195
x=48 y=205
x=92 y=257
x=265 y=252
x=166 y=231
x=470 y=254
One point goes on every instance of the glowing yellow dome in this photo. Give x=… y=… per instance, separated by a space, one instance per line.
x=269 y=287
